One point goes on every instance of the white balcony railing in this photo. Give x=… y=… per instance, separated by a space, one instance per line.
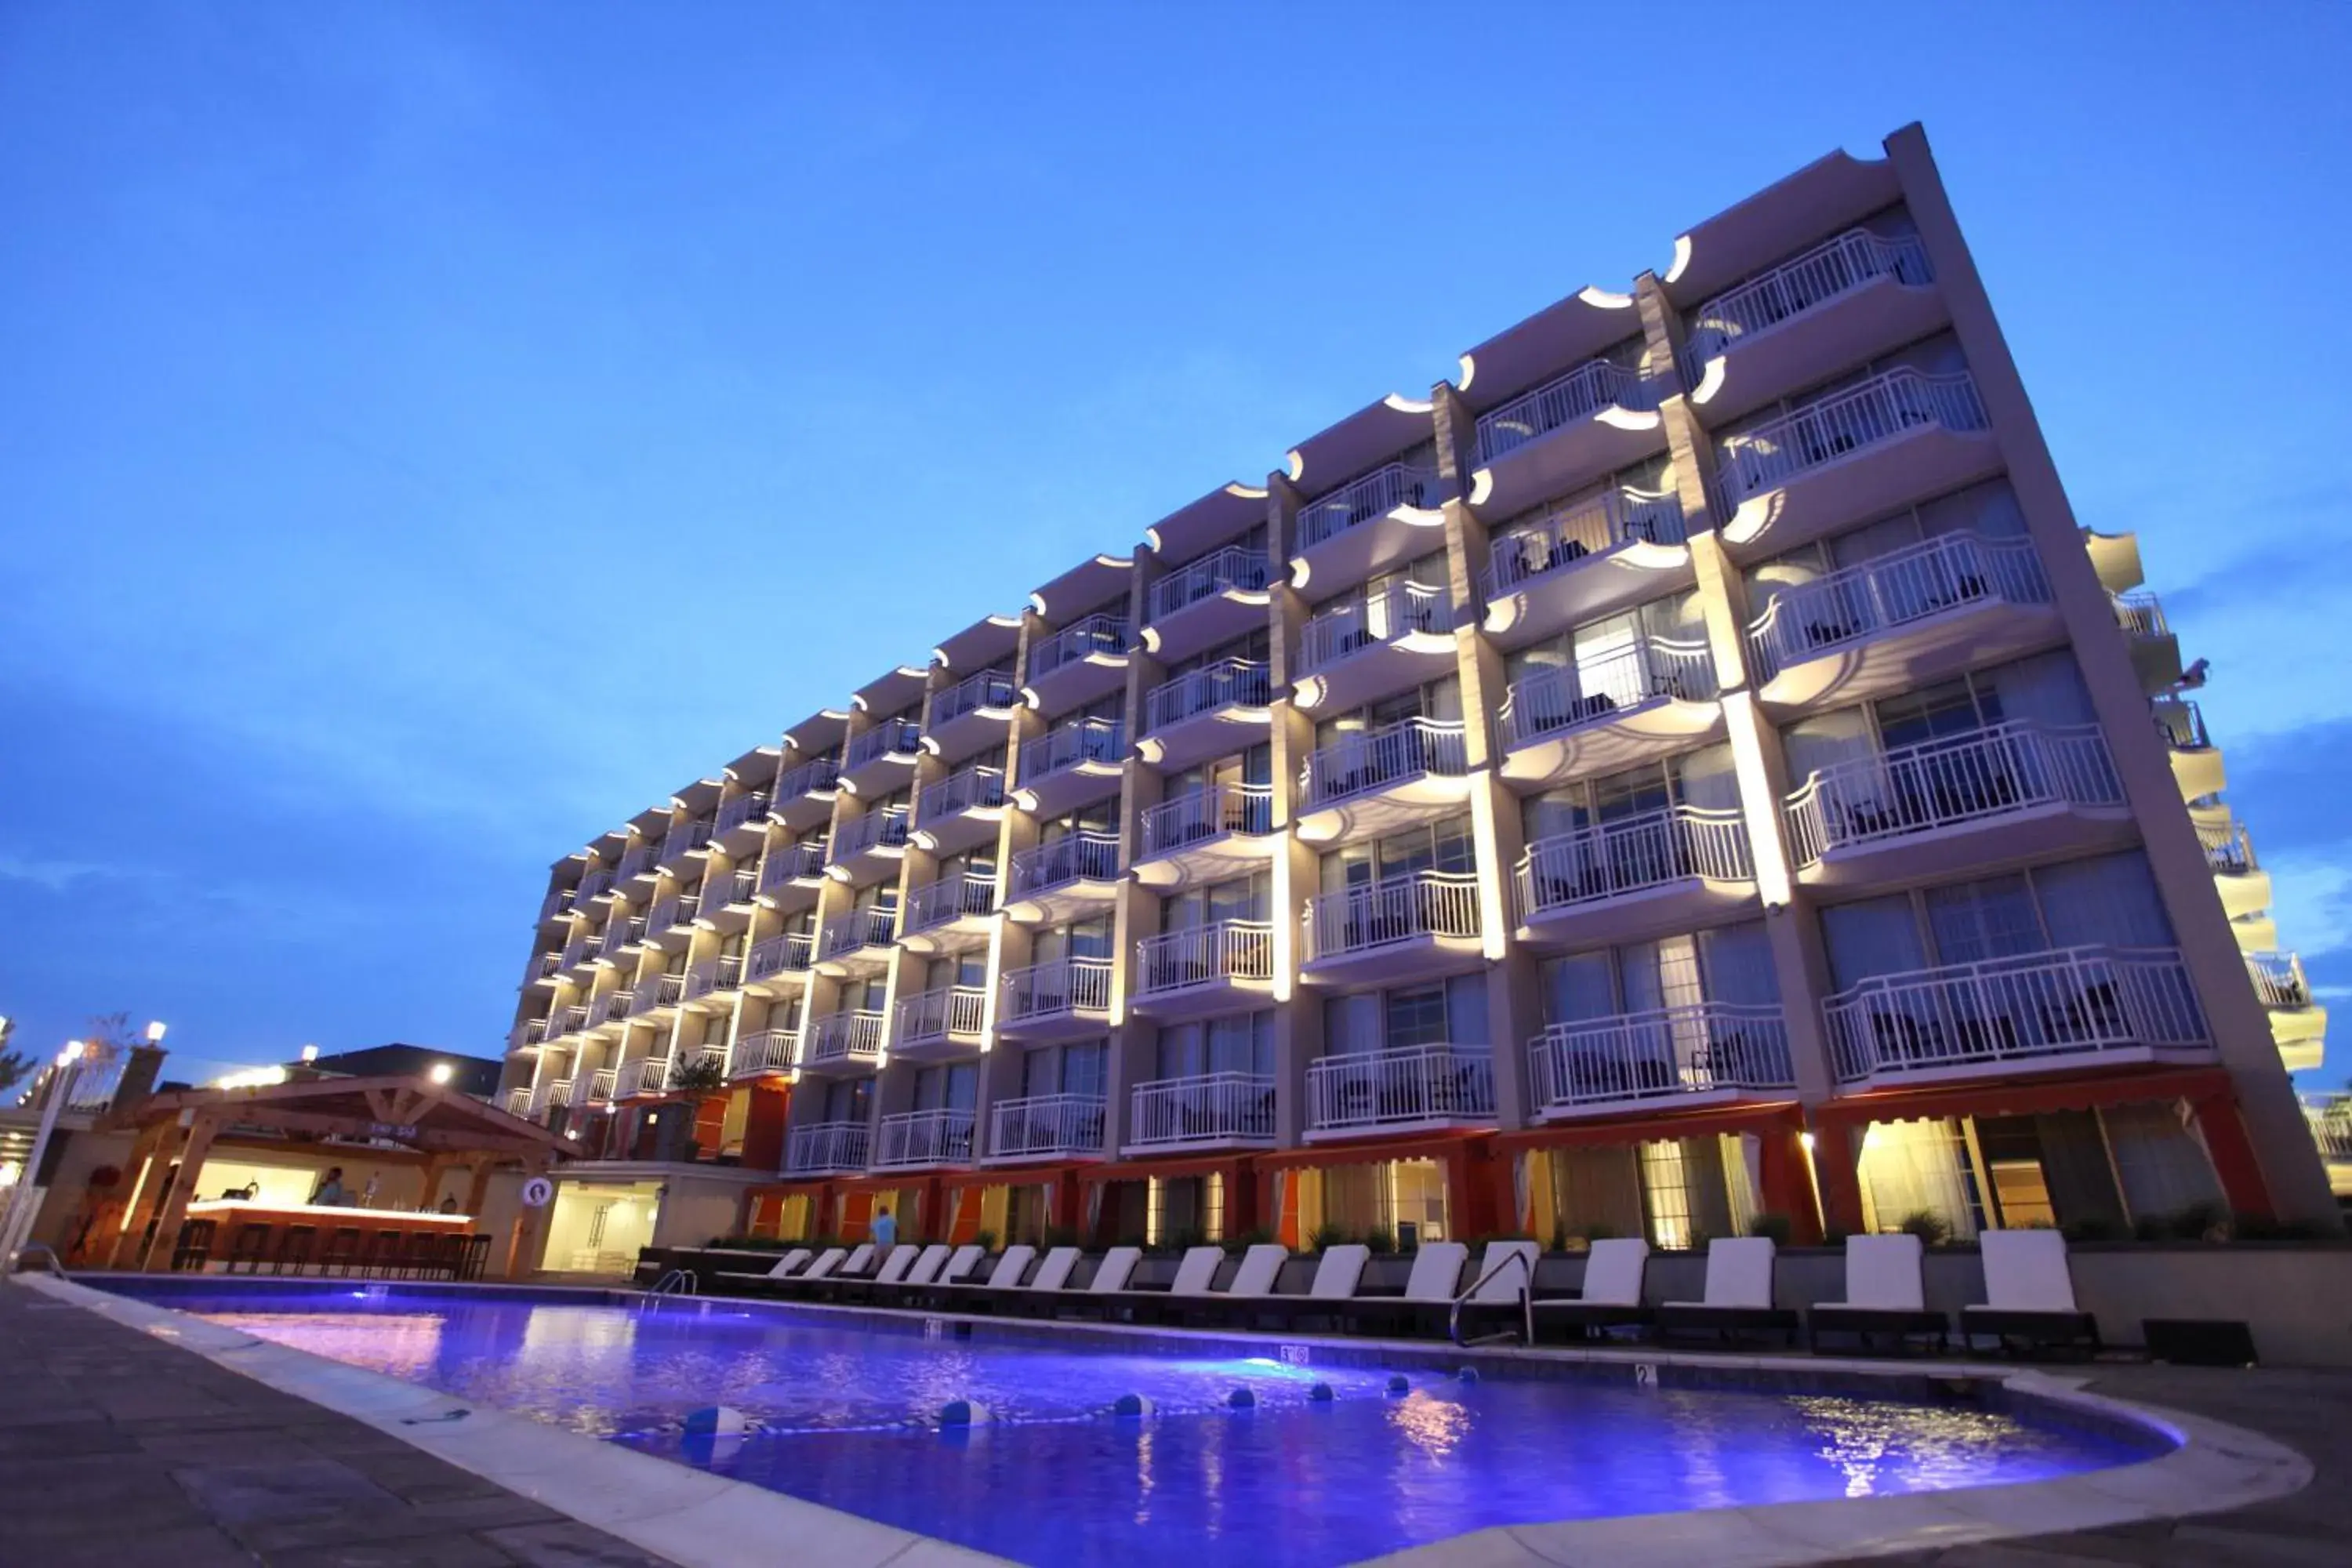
x=1335 y=631
x=1378 y=493
x=2278 y=980
x=1090 y=855
x=1235 y=569
x=924 y=1137
x=664 y=914
x=517 y=1101
x=639 y=860
x=812 y=777
x=1600 y=686
x=1375 y=759
x=989 y=688
x=1414 y=1084
x=2227 y=851
x=1578 y=396
x=827 y=1146
x=732 y=888
x=788 y=862
x=785 y=954
x=576 y=951
x=1204 y=1108
x=553 y=1094
x=1704 y=1048
x=533 y=1031
x=622 y=932
x=2331 y=1129
x=873 y=926
x=1104 y=635
x=1799 y=284
x=2003 y=768
x=1573 y=533
x=1880 y=409
x=890 y=737
x=651 y=1076
x=1067 y=745
x=1046 y=1124
x=607 y=1005
x=1610 y=859
x=883 y=828
x=593 y=883
x=1197 y=956
x=1208 y=813
x=842 y=1038
x=601 y=1085
x=953 y=897
x=750 y=807
x=567 y=1021
x=2181 y=724
x=702 y=980
x=2074 y=1002
x=1228 y=683
x=1420 y=904
x=1893 y=590
x=686 y=837
x=762 y=1051
x=948 y=1012
x=1062 y=985
x=966 y=789
x=2140 y=614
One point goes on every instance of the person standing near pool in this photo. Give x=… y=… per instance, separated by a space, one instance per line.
x=886 y=1230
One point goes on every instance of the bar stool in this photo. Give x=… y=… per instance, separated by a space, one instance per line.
x=477 y=1256
x=194 y=1247
x=383 y=1253
x=294 y=1249
x=419 y=1254
x=250 y=1247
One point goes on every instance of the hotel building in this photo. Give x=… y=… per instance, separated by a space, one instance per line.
x=1691 y=767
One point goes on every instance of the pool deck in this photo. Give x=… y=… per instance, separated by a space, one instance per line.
x=120 y=1448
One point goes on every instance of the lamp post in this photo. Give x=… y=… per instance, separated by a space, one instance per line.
x=24 y=1203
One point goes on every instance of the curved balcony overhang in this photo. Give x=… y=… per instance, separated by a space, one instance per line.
x=1193 y=841
x=1546 y=345
x=1560 y=459
x=1663 y=908
x=988 y=640
x=1400 y=803
x=799 y=813
x=1066 y=901
x=880 y=775
x=1979 y=847
x=2198 y=770
x=1065 y=789
x=974 y=731
x=856 y=963
x=1907 y=655
x=900 y=687
x=1212 y=732
x=2302 y=1056
x=961 y=933
x=872 y=864
x=929 y=1050
x=1409 y=959
x=1385 y=665
x=1222 y=616
x=1618 y=738
x=1202 y=999
x=2116 y=558
x=2244 y=893
x=854 y=1064
x=1077 y=681
x=2255 y=933
x=1391 y=538
x=1847 y=328
x=959 y=831
x=1833 y=192
x=1924 y=460
x=728 y=917
x=794 y=894
x=1592 y=587
x=1068 y=1023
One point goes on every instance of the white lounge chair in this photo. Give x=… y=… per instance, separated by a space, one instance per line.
x=1885 y=1293
x=1738 y=1293
x=1505 y=1272
x=1614 y=1272
x=895 y=1264
x=1337 y=1274
x=825 y=1265
x=1053 y=1277
x=963 y=1295
x=2029 y=1294
x=1195 y=1271
x=787 y=1263
x=1429 y=1291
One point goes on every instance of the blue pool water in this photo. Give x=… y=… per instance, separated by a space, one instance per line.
x=846 y=1416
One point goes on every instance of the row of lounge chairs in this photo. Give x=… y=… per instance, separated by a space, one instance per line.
x=2031 y=1294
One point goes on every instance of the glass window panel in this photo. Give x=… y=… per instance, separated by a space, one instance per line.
x=1875 y=936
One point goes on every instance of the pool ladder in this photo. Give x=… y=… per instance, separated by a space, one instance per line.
x=1527 y=1303
x=676 y=1282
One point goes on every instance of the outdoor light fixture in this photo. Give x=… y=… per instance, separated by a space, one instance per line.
x=441 y=1072
x=155 y=1032
x=71 y=1053
x=310 y=1053
x=1805 y=1141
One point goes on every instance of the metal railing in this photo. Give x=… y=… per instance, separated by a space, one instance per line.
x=749 y=806
x=1610 y=859
x=552 y=1095
x=593 y=883
x=1067 y=745
x=1062 y=985
x=1703 y=1048
x=883 y=828
x=953 y=897
x=1103 y=635
x=1378 y=493
x=533 y=1031
x=576 y=951
x=518 y=1103
x=1833 y=267
x=1375 y=759
x=789 y=861
x=924 y=1137
x=812 y=777
x=2181 y=724
x=1400 y=1086
x=2073 y=1001
x=890 y=737
x=607 y=1005
x=1893 y=590
x=1573 y=533
x=569 y=1021
x=685 y=838
x=1235 y=569
x=961 y=791
x=827 y=1146
x=1418 y=904
x=1600 y=686
x=735 y=887
x=702 y=980
x=781 y=954
x=873 y=926
x=1567 y=399
x=549 y=963
x=602 y=1082
x=762 y=1051
x=1196 y=955
x=664 y=914
x=638 y=861
x=2331 y=1127
x=1349 y=626
x=557 y=901
x=1046 y=1124
x=2278 y=980
x=652 y=1076
x=854 y=1037
x=1228 y=683
x=948 y=1012
x=1958 y=778
x=1203 y=1107
x=2227 y=851
x=1208 y=813
x=989 y=688
x=1880 y=409
x=2140 y=614
x=1090 y=854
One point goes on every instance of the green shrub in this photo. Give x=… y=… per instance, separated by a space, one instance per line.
x=1255 y=1236
x=1185 y=1239
x=1381 y=1240
x=1329 y=1235
x=2094 y=1227
x=1774 y=1227
x=1932 y=1228
x=985 y=1240
x=2198 y=1221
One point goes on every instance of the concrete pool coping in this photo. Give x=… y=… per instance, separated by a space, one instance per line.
x=695 y=1518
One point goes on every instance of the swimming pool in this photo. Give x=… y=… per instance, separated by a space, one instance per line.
x=846 y=1414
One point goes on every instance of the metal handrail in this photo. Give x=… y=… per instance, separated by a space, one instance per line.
x=1526 y=1301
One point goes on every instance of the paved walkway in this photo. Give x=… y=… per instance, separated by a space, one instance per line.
x=118 y=1450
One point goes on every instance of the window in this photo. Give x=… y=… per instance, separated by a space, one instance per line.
x=1445 y=847
x=1440 y=700
x=1729 y=963
x=1243 y=899
x=2104 y=900
x=1451 y=1013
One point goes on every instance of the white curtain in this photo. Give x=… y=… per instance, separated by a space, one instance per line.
x=2160 y=1165
x=1737 y=961
x=1707 y=780
x=1990 y=509
x=1874 y=936
x=1818 y=743
x=2111 y=900
x=1909 y=1167
x=2047 y=687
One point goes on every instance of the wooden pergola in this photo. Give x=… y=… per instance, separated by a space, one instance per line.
x=175 y=1132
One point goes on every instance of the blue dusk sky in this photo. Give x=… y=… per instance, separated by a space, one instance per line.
x=430 y=433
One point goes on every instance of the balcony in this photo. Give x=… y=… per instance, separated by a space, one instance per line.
x=937 y=1025
x=1643 y=700
x=599 y=1087
x=661 y=991
x=874 y=762
x=567 y=1021
x=972 y=713
x=1926 y=810
x=1376 y=780
x=858 y=939
x=843 y=1043
x=951 y=912
x=1571 y=430
x=683 y=840
x=577 y=951
x=610 y=1007
x=2195 y=759
x=2155 y=649
x=2298 y=1024
x=1412 y=1088
x=559 y=902
x=1214 y=600
x=1212 y=711
x=1223 y=966
x=1067 y=998
x=1359 y=648
x=1901 y=621
x=1892 y=440
x=2039 y=1012
x=532 y=1033
x=1673 y=1059
x=2244 y=886
x=1623 y=880
x=1588 y=559
x=1838 y=303
x=960 y=811
x=593 y=886
x=1083 y=660
x=649 y=1076
x=622 y=932
x=703 y=980
x=742 y=822
x=1070 y=764
x=729 y=898
x=864 y=847
x=670 y=925
x=1063 y=877
x=914 y=1139
x=637 y=862
x=762 y=1054
x=779 y=957
x=1207 y=836
x=553 y=1094
x=547 y=966
x=1408 y=928
x=788 y=864
x=517 y=1101
x=1207 y=1111
x=1047 y=1127
x=827 y=1149
x=803 y=797
x=1393 y=514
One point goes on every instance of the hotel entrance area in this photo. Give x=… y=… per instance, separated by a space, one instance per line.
x=596 y=1228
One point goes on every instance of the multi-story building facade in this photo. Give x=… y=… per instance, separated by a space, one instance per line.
x=1691 y=767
